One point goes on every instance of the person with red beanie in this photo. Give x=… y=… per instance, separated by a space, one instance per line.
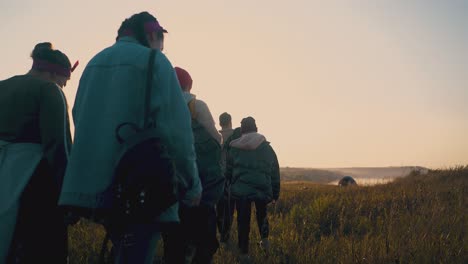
x=198 y=108
x=195 y=238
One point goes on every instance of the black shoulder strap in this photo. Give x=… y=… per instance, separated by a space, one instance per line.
x=149 y=84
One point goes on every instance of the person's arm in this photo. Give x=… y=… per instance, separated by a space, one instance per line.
x=174 y=122
x=55 y=129
x=275 y=176
x=205 y=118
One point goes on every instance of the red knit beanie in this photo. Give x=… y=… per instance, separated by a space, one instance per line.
x=185 y=80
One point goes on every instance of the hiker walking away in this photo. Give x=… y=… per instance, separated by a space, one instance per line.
x=130 y=90
x=195 y=241
x=198 y=109
x=252 y=168
x=225 y=121
x=34 y=145
x=227 y=135
x=225 y=206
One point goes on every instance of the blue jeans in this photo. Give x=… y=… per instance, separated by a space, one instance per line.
x=134 y=244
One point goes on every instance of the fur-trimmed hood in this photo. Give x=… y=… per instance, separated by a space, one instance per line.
x=249 y=141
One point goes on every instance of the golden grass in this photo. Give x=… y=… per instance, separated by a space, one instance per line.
x=416 y=219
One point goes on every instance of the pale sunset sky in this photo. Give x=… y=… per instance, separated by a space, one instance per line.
x=330 y=83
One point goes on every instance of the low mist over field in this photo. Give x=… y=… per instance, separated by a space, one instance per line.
x=364 y=175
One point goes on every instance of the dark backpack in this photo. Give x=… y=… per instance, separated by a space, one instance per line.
x=145 y=182
x=208 y=152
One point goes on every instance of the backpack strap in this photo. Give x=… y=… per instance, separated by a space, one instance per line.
x=146 y=124
x=191 y=106
x=149 y=84
x=147 y=102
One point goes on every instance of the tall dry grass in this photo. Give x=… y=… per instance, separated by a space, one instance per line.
x=417 y=219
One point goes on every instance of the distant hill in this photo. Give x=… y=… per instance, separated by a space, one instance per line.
x=379 y=172
x=329 y=175
x=313 y=175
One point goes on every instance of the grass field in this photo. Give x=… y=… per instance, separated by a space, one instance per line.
x=416 y=219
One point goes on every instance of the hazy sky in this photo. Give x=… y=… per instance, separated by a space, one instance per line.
x=330 y=83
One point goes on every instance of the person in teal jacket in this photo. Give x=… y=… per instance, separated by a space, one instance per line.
x=195 y=241
x=253 y=171
x=34 y=145
x=111 y=92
